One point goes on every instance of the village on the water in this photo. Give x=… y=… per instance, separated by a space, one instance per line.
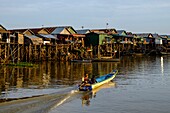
x=64 y=43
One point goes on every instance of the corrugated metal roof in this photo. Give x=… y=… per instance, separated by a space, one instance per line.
x=32 y=36
x=49 y=36
x=121 y=32
x=156 y=35
x=168 y=37
x=164 y=36
x=50 y=29
x=108 y=31
x=83 y=31
x=58 y=30
x=143 y=34
x=2 y=28
x=18 y=30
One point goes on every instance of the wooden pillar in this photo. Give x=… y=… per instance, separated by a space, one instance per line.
x=91 y=52
x=30 y=53
x=18 y=56
x=0 y=52
x=5 y=52
x=35 y=50
x=99 y=56
x=67 y=54
x=119 y=50
x=46 y=54
x=23 y=52
x=56 y=55
x=82 y=42
x=49 y=58
x=111 y=50
x=40 y=55
x=9 y=54
x=26 y=51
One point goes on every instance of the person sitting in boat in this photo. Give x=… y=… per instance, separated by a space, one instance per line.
x=85 y=80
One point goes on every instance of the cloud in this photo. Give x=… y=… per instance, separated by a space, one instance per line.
x=92 y=13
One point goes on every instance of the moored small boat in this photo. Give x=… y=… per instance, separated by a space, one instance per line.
x=165 y=53
x=99 y=81
x=82 y=61
x=106 y=60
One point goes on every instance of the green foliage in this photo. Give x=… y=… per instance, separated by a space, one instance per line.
x=22 y=64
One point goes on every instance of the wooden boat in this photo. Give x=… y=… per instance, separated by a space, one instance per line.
x=99 y=81
x=82 y=61
x=165 y=53
x=137 y=54
x=106 y=60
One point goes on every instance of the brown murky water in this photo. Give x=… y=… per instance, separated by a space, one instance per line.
x=142 y=85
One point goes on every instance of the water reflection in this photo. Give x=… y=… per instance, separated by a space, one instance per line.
x=162 y=65
x=87 y=97
x=49 y=75
x=139 y=82
x=60 y=74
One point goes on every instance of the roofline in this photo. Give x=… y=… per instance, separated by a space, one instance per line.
x=3 y=27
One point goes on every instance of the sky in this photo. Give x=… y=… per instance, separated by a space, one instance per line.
x=136 y=16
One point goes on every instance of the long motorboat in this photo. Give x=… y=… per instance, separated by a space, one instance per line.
x=99 y=81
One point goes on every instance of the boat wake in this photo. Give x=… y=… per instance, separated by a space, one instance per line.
x=40 y=104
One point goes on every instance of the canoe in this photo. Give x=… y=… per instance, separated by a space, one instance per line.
x=99 y=81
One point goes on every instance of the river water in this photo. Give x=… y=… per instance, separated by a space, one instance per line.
x=141 y=86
